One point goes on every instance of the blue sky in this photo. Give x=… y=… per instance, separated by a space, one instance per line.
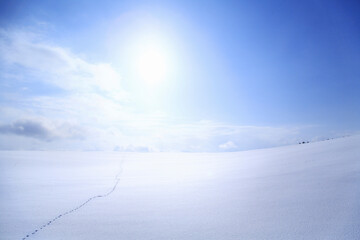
x=177 y=75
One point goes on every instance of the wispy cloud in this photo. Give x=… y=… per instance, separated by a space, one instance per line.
x=58 y=66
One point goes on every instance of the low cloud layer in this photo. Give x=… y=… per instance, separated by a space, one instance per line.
x=41 y=130
x=229 y=145
x=132 y=148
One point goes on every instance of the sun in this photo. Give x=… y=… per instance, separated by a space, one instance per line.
x=152 y=63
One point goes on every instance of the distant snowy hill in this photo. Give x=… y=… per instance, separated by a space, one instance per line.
x=307 y=191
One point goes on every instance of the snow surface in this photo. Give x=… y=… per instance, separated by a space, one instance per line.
x=309 y=191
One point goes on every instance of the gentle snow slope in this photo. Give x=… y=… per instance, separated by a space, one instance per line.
x=309 y=191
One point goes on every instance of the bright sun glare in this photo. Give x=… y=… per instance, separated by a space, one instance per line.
x=152 y=64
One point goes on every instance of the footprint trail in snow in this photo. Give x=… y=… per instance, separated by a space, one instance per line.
x=117 y=180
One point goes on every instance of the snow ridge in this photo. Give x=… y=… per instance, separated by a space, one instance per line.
x=117 y=180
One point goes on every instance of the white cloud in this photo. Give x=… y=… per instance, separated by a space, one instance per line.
x=131 y=148
x=228 y=145
x=58 y=66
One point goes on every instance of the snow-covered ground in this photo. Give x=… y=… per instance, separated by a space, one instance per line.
x=309 y=191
